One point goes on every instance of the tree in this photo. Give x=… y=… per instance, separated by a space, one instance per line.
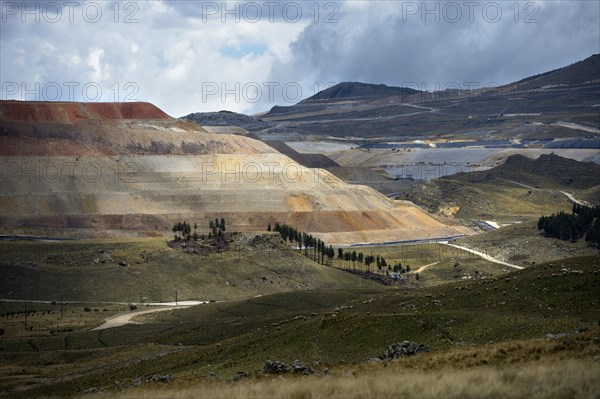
x=269 y=227
x=222 y=225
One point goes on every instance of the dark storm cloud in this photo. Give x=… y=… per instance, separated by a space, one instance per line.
x=432 y=44
x=289 y=11
x=167 y=53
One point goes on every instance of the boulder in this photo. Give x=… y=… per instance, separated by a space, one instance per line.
x=239 y=375
x=159 y=378
x=275 y=367
x=404 y=349
x=299 y=367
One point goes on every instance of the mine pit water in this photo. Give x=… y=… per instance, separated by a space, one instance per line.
x=431 y=163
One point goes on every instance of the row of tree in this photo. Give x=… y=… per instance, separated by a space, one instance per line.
x=319 y=251
x=314 y=248
x=183 y=231
x=571 y=226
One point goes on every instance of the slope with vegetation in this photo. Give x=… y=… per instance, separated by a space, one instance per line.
x=520 y=189
x=334 y=330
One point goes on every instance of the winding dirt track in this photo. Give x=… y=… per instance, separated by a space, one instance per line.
x=485 y=256
x=125 y=318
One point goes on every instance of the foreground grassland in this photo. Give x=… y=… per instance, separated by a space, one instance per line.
x=479 y=330
x=522 y=370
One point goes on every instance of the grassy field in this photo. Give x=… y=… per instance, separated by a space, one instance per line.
x=89 y=270
x=520 y=370
x=520 y=189
x=337 y=330
x=522 y=244
x=435 y=263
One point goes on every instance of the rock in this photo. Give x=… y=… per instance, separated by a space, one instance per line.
x=374 y=360
x=299 y=367
x=275 y=367
x=555 y=336
x=159 y=378
x=90 y=390
x=136 y=382
x=403 y=349
x=239 y=375
x=581 y=329
x=123 y=263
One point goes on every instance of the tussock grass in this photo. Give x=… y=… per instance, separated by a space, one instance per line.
x=566 y=379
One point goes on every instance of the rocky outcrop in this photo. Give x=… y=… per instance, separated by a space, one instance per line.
x=406 y=348
x=277 y=367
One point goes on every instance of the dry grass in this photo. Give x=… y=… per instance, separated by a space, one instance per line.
x=565 y=379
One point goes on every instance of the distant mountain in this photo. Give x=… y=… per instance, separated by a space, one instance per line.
x=577 y=73
x=547 y=171
x=358 y=91
x=226 y=118
x=556 y=104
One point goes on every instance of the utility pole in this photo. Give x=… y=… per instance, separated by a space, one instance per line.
x=175 y=297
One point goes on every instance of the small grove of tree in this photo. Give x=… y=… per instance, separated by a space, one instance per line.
x=181 y=231
x=318 y=251
x=571 y=226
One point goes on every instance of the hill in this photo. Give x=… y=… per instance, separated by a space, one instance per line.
x=519 y=189
x=107 y=177
x=72 y=112
x=547 y=171
x=582 y=72
x=560 y=103
x=334 y=332
x=226 y=118
x=91 y=271
x=358 y=91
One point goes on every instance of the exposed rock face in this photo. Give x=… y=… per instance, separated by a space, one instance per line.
x=81 y=170
x=73 y=112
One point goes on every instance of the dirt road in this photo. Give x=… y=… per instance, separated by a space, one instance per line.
x=575 y=200
x=485 y=256
x=425 y=267
x=125 y=318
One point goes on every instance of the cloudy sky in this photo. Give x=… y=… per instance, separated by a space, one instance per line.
x=246 y=56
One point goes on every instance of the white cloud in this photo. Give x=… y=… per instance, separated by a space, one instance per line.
x=171 y=56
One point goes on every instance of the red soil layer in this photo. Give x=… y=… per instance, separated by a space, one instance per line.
x=73 y=112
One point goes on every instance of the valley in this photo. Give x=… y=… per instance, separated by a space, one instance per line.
x=304 y=251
